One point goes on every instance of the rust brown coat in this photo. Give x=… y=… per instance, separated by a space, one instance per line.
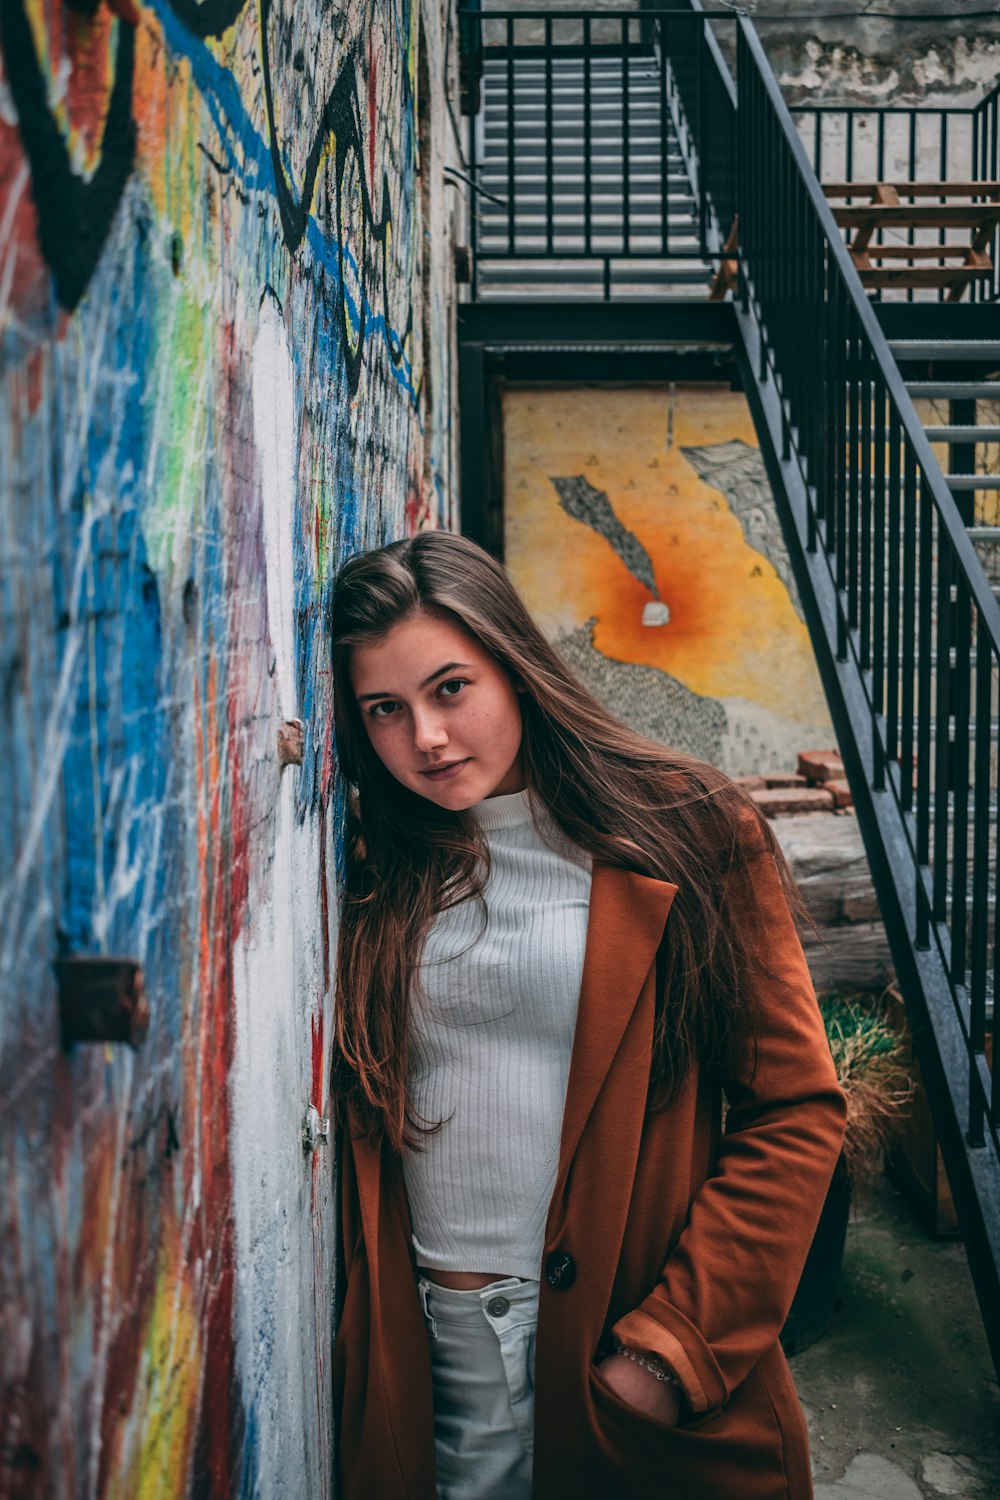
x=687 y=1241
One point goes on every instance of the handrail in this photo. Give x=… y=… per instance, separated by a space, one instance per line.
x=906 y=628
x=907 y=601
x=715 y=51
x=913 y=430
x=993 y=94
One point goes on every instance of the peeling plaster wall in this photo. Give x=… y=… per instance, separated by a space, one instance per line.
x=930 y=52
x=849 y=51
x=225 y=362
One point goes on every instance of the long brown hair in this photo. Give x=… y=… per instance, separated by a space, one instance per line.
x=625 y=800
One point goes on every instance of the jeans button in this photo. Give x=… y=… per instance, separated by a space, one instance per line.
x=560 y=1270
x=498 y=1307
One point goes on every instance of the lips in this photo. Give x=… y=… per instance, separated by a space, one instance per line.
x=442 y=772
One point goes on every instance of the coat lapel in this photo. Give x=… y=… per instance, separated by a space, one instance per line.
x=625 y=925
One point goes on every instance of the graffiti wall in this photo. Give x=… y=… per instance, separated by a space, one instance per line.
x=640 y=528
x=224 y=363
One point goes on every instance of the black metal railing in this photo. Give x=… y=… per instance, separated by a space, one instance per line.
x=909 y=606
x=984 y=137
x=707 y=119
x=906 y=143
x=588 y=165
x=905 y=623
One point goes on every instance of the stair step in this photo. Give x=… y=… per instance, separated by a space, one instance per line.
x=605 y=237
x=532 y=151
x=575 y=126
x=955 y=390
x=571 y=106
x=607 y=201
x=497 y=175
x=973 y=481
x=510 y=275
x=983 y=533
x=572 y=67
x=569 y=221
x=573 y=101
x=945 y=349
x=568 y=130
x=577 y=248
x=963 y=434
x=602 y=154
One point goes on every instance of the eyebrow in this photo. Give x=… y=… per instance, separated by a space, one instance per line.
x=449 y=666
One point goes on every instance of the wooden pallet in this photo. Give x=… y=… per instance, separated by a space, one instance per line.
x=726 y=276
x=971 y=206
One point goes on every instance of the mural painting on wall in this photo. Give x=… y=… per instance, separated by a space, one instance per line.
x=671 y=594
x=213 y=288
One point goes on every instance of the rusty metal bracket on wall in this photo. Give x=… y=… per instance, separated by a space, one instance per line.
x=102 y=999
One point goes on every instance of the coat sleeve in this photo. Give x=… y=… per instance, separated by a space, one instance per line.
x=726 y=1288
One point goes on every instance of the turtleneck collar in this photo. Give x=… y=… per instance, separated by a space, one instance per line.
x=509 y=811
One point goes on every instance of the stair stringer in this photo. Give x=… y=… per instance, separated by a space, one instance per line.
x=973 y=1172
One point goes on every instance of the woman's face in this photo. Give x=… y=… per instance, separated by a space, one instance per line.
x=442 y=715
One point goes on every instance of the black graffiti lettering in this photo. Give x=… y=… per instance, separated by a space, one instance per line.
x=204 y=18
x=74 y=216
x=341 y=117
x=153 y=1146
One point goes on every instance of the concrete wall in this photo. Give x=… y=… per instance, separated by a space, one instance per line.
x=930 y=52
x=225 y=361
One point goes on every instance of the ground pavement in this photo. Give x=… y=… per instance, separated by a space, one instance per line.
x=901 y=1395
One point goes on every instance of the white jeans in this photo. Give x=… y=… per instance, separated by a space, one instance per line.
x=482 y=1345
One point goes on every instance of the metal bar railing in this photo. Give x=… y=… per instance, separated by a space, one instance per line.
x=985 y=169
x=911 y=595
x=511 y=178
x=879 y=143
x=581 y=180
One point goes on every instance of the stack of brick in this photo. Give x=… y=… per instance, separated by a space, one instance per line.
x=817 y=785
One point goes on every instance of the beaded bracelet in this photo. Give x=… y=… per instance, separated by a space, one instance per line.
x=647 y=1362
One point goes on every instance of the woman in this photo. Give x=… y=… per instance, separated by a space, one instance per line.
x=561 y=945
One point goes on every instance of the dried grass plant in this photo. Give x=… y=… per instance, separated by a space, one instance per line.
x=871 y=1058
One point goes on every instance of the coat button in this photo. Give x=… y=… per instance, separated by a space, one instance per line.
x=498 y=1307
x=560 y=1270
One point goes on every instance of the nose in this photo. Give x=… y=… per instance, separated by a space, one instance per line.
x=429 y=732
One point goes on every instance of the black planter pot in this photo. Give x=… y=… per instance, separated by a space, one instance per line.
x=815 y=1300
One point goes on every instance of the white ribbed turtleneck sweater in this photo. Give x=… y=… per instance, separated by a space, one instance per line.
x=491 y=1037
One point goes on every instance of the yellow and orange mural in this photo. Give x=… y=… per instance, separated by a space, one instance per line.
x=640 y=528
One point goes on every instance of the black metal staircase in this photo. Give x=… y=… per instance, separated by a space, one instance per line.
x=588 y=187
x=612 y=161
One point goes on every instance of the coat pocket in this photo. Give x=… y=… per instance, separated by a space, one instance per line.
x=735 y=1453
